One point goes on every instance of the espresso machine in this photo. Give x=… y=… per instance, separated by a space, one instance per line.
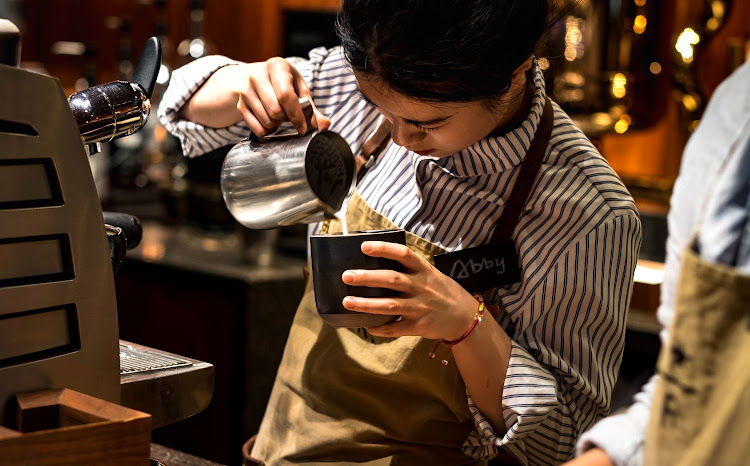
x=58 y=250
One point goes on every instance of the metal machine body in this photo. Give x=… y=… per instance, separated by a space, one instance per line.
x=58 y=315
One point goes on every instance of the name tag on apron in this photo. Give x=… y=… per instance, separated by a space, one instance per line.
x=496 y=263
x=483 y=267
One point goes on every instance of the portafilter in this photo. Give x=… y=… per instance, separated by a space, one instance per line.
x=116 y=109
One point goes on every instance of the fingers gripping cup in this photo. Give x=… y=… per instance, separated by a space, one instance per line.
x=334 y=254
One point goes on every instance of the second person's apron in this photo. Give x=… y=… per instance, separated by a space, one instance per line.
x=700 y=414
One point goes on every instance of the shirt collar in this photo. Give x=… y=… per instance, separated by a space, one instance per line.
x=494 y=154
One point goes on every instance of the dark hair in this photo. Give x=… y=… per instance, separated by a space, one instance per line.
x=441 y=50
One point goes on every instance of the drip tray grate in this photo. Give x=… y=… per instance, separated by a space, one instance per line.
x=133 y=360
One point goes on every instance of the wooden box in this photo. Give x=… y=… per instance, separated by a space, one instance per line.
x=64 y=427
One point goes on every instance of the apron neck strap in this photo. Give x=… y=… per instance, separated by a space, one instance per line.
x=372 y=148
x=530 y=166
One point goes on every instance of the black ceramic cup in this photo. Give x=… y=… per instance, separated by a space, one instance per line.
x=334 y=254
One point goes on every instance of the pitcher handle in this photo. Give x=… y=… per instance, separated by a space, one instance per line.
x=307 y=110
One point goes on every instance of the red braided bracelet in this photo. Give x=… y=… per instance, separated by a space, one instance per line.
x=450 y=344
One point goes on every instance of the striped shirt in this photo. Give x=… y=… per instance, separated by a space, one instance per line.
x=577 y=241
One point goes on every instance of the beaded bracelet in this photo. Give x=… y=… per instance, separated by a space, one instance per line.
x=450 y=344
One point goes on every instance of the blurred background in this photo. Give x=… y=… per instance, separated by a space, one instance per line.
x=634 y=74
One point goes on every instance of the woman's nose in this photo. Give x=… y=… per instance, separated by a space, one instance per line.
x=405 y=135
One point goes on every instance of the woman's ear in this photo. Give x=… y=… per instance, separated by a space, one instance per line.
x=520 y=73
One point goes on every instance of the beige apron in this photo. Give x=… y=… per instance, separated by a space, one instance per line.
x=343 y=393
x=701 y=409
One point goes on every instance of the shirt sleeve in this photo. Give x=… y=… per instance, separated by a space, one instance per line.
x=196 y=139
x=621 y=436
x=566 y=348
x=325 y=71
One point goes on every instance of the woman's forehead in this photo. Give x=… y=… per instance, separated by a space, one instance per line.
x=385 y=98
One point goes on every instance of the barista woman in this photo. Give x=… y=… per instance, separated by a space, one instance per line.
x=461 y=87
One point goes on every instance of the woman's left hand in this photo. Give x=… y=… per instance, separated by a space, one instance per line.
x=431 y=305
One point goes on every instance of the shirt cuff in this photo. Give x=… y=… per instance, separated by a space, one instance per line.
x=621 y=436
x=529 y=395
x=618 y=436
x=196 y=139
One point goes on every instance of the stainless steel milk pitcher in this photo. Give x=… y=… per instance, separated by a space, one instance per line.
x=284 y=180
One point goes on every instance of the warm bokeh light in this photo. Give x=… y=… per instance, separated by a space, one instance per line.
x=689 y=102
x=573 y=38
x=602 y=119
x=573 y=78
x=543 y=64
x=619 y=81
x=152 y=250
x=639 y=25
x=210 y=244
x=64 y=47
x=621 y=126
x=640 y=2
x=655 y=67
x=718 y=9
x=573 y=35
x=160 y=134
x=685 y=42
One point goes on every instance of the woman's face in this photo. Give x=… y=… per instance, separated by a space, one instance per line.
x=436 y=128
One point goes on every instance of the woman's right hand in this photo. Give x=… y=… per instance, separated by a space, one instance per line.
x=268 y=94
x=263 y=94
